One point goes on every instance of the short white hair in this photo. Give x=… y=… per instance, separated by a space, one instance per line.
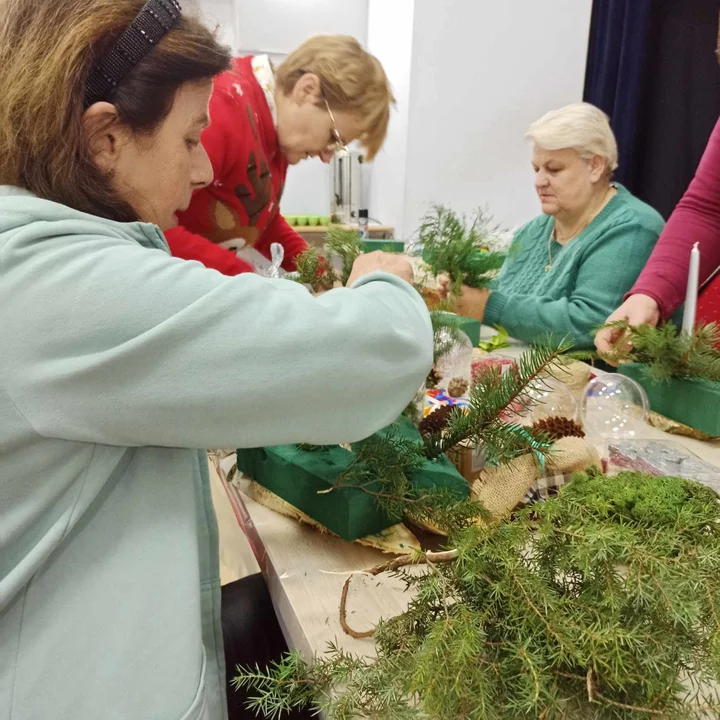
x=581 y=127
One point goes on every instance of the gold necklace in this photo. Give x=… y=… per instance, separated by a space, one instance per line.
x=553 y=234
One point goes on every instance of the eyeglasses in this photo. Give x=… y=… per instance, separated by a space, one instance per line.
x=338 y=144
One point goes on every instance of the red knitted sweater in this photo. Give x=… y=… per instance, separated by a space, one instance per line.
x=243 y=202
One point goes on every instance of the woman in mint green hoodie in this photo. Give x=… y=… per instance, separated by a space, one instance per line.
x=120 y=363
x=569 y=268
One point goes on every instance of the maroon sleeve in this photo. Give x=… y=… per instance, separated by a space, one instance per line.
x=696 y=219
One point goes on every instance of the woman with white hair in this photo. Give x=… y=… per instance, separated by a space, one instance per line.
x=570 y=267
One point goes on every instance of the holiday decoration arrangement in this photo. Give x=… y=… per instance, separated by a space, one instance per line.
x=460 y=248
x=463 y=434
x=403 y=472
x=323 y=271
x=679 y=371
x=600 y=603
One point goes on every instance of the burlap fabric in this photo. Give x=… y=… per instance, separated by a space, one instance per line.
x=396 y=540
x=502 y=489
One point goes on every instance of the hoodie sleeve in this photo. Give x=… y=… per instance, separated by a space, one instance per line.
x=106 y=341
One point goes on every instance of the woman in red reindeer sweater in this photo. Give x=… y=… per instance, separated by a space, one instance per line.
x=327 y=93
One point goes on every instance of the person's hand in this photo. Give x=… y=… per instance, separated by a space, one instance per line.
x=397 y=265
x=444 y=286
x=636 y=310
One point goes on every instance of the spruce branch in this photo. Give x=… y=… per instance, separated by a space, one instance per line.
x=452 y=246
x=314 y=270
x=382 y=467
x=600 y=603
x=344 y=244
x=668 y=352
x=492 y=394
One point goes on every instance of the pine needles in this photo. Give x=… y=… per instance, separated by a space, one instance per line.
x=383 y=464
x=314 y=270
x=599 y=604
x=493 y=393
x=318 y=271
x=669 y=353
x=452 y=246
x=344 y=244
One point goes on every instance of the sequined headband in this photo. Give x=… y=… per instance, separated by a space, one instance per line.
x=152 y=23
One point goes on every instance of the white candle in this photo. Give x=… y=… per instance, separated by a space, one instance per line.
x=692 y=291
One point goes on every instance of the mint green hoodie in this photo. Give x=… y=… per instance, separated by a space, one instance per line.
x=117 y=362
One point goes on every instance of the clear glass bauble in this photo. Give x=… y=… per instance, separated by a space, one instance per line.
x=550 y=398
x=614 y=407
x=457 y=361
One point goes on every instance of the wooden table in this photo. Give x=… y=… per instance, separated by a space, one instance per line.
x=305 y=570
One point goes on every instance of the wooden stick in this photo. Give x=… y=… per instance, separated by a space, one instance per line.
x=399 y=562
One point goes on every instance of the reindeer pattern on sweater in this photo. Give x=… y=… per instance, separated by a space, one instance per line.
x=241 y=208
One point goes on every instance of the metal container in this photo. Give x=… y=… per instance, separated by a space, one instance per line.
x=347 y=186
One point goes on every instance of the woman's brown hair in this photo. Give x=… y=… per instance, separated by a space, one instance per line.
x=47 y=50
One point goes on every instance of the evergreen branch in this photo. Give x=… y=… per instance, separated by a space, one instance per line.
x=346 y=245
x=287 y=684
x=587 y=356
x=667 y=352
x=492 y=394
x=594 y=695
x=600 y=603
x=314 y=270
x=382 y=467
x=451 y=246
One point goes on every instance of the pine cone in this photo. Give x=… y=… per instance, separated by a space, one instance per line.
x=436 y=421
x=457 y=387
x=433 y=379
x=559 y=427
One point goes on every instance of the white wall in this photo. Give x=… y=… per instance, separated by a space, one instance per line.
x=469 y=76
x=482 y=71
x=390 y=39
x=216 y=13
x=281 y=25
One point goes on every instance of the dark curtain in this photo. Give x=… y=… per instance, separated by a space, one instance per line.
x=652 y=68
x=615 y=74
x=681 y=99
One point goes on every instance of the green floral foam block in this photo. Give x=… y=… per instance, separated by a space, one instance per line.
x=300 y=476
x=694 y=402
x=386 y=245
